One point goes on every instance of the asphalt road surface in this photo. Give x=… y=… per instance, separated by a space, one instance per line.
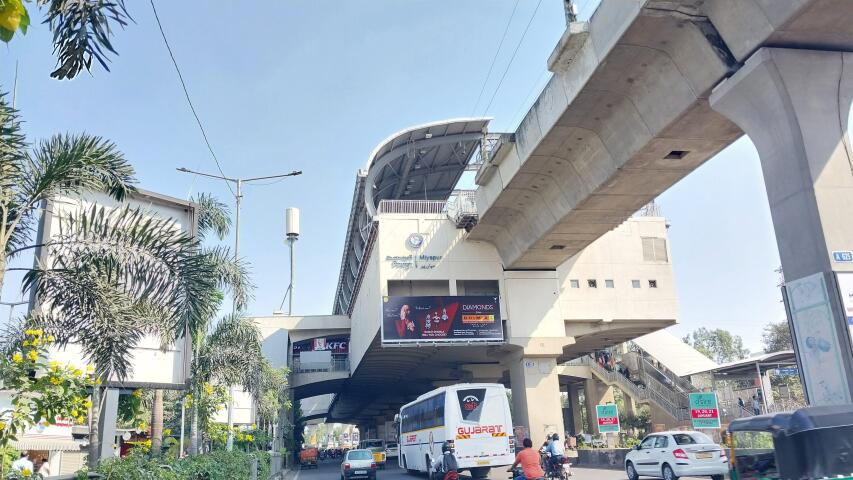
x=331 y=470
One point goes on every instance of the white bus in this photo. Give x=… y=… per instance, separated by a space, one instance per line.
x=473 y=417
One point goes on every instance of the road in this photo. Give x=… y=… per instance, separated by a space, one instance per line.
x=330 y=470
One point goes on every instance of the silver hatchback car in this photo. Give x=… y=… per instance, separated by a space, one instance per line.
x=358 y=464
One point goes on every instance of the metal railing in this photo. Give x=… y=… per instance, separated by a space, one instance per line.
x=462 y=208
x=653 y=391
x=412 y=206
x=335 y=365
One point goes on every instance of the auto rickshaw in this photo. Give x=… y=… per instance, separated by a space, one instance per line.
x=308 y=457
x=377 y=447
x=809 y=443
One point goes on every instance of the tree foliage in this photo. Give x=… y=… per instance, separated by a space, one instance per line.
x=82 y=30
x=718 y=344
x=777 y=337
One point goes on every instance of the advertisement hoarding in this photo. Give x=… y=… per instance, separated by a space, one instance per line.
x=845 y=285
x=704 y=410
x=441 y=319
x=608 y=418
x=338 y=345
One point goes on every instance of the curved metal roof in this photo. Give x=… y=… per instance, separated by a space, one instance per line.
x=423 y=162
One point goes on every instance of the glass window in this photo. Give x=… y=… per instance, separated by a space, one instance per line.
x=654 y=249
x=691 y=438
x=653 y=284
x=592 y=283
x=635 y=283
x=661 y=442
x=575 y=283
x=608 y=283
x=359 y=455
x=649 y=441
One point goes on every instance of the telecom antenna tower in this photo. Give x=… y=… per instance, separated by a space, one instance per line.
x=291 y=217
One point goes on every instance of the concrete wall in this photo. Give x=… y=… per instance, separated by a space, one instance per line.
x=367 y=313
x=618 y=256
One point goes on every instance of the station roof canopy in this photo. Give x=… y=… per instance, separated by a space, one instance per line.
x=674 y=354
x=423 y=162
x=747 y=367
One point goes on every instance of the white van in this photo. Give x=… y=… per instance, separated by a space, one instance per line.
x=473 y=417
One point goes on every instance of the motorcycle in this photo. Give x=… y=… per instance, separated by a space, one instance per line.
x=556 y=472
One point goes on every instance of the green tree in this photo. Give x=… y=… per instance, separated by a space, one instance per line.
x=777 y=337
x=82 y=29
x=68 y=164
x=718 y=344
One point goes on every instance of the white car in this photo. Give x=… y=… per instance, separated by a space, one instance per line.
x=392 y=450
x=670 y=455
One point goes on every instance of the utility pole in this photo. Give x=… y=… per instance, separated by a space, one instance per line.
x=237 y=200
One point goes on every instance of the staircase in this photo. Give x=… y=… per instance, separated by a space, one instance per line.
x=670 y=400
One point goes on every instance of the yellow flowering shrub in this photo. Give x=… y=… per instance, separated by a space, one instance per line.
x=54 y=392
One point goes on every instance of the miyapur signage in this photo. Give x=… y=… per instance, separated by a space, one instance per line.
x=441 y=319
x=155 y=365
x=608 y=418
x=704 y=410
x=414 y=260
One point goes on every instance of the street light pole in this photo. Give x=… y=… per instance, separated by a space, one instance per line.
x=238 y=196
x=12 y=306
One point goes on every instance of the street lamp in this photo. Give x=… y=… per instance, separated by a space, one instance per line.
x=238 y=195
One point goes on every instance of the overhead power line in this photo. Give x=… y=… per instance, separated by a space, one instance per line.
x=514 y=53
x=492 y=66
x=187 y=95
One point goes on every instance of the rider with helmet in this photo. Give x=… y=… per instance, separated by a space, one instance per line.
x=446 y=465
x=557 y=451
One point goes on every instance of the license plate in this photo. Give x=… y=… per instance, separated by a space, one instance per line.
x=701 y=455
x=482 y=462
x=360 y=472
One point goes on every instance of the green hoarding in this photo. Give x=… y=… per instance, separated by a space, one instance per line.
x=704 y=410
x=608 y=418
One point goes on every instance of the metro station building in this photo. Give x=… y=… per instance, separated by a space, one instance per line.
x=412 y=233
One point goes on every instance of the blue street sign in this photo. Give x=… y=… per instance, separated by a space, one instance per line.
x=842 y=256
x=787 y=372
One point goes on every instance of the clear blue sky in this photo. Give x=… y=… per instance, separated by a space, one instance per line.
x=315 y=85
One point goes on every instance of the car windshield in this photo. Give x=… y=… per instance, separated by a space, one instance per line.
x=392 y=445
x=372 y=443
x=359 y=455
x=691 y=438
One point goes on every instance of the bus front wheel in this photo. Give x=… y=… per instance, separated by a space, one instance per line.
x=480 y=472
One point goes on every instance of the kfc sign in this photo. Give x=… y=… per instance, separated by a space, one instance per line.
x=336 y=345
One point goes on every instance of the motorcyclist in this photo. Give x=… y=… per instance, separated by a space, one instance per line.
x=557 y=451
x=446 y=466
x=529 y=461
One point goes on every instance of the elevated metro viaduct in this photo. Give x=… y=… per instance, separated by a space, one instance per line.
x=617 y=289
x=642 y=94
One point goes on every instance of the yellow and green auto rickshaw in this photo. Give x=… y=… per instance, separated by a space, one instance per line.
x=809 y=443
x=377 y=447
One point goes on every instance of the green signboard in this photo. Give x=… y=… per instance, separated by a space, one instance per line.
x=704 y=410
x=608 y=418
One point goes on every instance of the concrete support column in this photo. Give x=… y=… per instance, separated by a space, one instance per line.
x=536 y=396
x=794 y=105
x=577 y=411
x=595 y=393
x=108 y=419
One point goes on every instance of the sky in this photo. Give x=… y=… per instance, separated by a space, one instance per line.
x=316 y=85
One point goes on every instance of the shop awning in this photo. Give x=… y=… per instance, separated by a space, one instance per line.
x=49 y=444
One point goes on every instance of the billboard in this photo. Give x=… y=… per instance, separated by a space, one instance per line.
x=155 y=365
x=608 y=418
x=704 y=410
x=338 y=345
x=441 y=319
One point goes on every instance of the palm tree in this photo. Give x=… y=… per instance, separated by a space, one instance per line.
x=66 y=164
x=116 y=276
x=213 y=217
x=230 y=354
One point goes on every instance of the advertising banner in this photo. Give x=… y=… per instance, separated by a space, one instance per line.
x=608 y=418
x=845 y=284
x=441 y=319
x=337 y=345
x=704 y=410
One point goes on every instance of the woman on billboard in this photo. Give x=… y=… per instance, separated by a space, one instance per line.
x=405 y=326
